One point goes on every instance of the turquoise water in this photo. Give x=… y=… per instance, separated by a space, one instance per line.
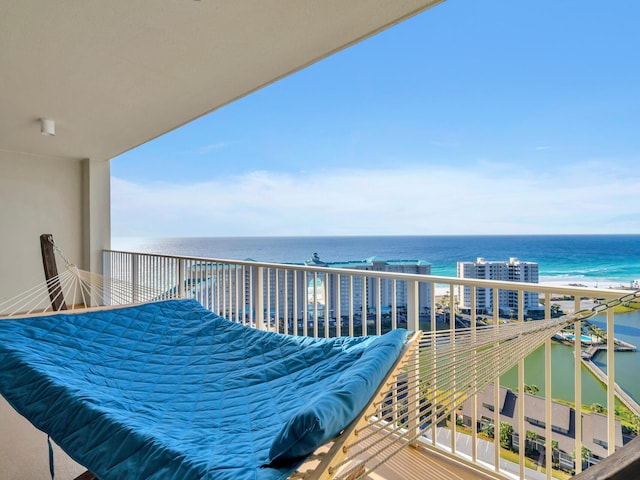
x=562 y=374
x=583 y=338
x=562 y=258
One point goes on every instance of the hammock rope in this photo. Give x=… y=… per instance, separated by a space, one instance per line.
x=81 y=290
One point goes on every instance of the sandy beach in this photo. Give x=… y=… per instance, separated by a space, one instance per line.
x=567 y=306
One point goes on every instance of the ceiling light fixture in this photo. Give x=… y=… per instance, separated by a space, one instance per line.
x=47 y=127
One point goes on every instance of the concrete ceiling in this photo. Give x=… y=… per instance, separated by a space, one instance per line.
x=117 y=73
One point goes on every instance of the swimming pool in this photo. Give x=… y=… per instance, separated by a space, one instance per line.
x=583 y=338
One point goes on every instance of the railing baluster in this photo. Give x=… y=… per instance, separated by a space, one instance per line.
x=496 y=384
x=474 y=399
x=285 y=300
x=434 y=366
x=521 y=428
x=218 y=286
x=521 y=392
x=365 y=310
x=231 y=313
x=379 y=306
x=577 y=365
x=244 y=297
x=267 y=280
x=258 y=297
x=305 y=305
x=294 y=288
x=394 y=304
x=548 y=443
x=327 y=306
x=134 y=277
x=276 y=295
x=413 y=324
x=338 y=302
x=250 y=304
x=351 y=305
x=611 y=383
x=452 y=328
x=315 y=304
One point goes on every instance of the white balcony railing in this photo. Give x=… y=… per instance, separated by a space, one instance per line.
x=324 y=302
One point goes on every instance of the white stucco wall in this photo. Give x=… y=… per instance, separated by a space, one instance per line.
x=67 y=198
x=70 y=200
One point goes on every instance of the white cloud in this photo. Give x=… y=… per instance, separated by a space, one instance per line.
x=487 y=198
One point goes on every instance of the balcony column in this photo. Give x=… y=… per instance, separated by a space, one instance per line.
x=96 y=213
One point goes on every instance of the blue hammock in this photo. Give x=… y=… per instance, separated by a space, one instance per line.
x=169 y=390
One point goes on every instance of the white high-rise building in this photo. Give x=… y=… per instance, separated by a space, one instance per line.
x=385 y=298
x=513 y=270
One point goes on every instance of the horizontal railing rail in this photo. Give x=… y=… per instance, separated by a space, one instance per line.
x=322 y=301
x=568 y=290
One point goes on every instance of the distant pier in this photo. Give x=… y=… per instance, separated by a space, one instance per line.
x=619 y=346
x=625 y=398
x=587 y=355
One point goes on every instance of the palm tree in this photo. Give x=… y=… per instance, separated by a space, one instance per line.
x=531 y=438
x=585 y=454
x=506 y=434
x=487 y=429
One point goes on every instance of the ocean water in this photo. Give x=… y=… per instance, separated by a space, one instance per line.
x=593 y=260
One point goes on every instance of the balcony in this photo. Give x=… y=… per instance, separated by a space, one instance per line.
x=321 y=301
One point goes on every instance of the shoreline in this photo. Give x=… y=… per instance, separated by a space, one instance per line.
x=565 y=305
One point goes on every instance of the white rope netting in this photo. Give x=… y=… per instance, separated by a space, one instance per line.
x=77 y=289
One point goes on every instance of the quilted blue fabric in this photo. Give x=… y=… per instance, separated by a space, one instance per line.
x=170 y=390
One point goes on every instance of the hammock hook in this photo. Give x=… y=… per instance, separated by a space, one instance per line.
x=60 y=252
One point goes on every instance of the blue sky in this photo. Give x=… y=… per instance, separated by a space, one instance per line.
x=491 y=117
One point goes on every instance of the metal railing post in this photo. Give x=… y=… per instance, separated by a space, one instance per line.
x=413 y=321
x=611 y=384
x=106 y=270
x=577 y=365
x=413 y=324
x=134 y=277
x=181 y=278
x=258 y=297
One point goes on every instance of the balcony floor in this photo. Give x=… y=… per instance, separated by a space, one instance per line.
x=423 y=464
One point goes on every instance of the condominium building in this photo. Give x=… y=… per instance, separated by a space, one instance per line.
x=593 y=431
x=330 y=292
x=513 y=270
x=375 y=292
